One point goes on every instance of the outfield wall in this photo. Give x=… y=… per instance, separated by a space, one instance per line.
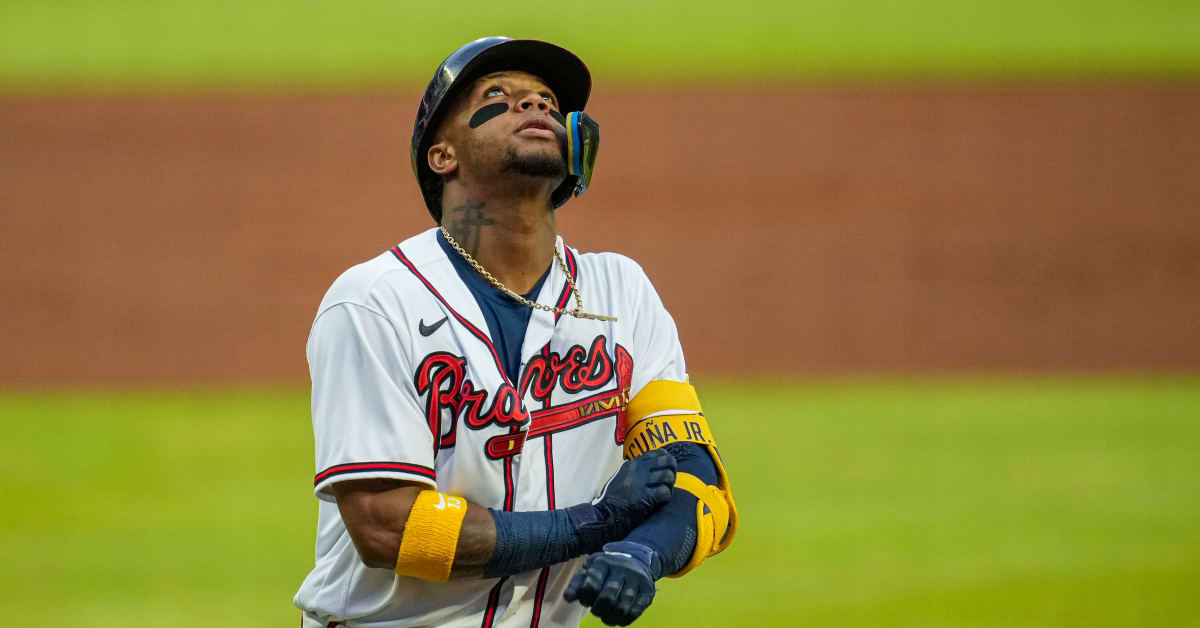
x=929 y=228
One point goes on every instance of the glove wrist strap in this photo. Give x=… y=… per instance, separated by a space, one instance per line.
x=639 y=552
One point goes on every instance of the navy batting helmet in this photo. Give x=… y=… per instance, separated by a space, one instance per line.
x=561 y=70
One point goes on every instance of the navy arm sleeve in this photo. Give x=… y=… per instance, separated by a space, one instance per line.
x=671 y=531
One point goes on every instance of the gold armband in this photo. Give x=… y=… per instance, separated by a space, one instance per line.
x=660 y=395
x=431 y=536
x=716 y=512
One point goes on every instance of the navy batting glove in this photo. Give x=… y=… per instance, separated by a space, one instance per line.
x=617 y=583
x=641 y=486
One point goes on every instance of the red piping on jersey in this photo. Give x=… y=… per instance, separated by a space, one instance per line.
x=566 y=291
x=537 y=601
x=360 y=467
x=549 y=474
x=549 y=446
x=508 y=482
x=545 y=575
x=493 y=600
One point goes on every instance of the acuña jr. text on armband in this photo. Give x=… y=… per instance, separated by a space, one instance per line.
x=666 y=412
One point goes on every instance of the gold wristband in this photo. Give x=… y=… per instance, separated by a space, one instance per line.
x=431 y=536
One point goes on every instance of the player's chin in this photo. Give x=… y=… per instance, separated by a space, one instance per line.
x=535 y=162
x=537 y=146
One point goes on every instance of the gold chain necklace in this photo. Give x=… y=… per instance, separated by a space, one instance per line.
x=577 y=312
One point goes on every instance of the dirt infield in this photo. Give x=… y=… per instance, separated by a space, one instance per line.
x=183 y=239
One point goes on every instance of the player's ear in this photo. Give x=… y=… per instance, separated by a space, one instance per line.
x=442 y=159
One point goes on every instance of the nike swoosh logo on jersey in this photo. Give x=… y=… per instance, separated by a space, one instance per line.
x=429 y=329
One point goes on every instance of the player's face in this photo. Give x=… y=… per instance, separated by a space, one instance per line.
x=508 y=122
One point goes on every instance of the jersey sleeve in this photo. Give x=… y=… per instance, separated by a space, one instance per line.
x=657 y=353
x=367 y=422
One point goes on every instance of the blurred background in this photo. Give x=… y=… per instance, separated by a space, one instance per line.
x=935 y=265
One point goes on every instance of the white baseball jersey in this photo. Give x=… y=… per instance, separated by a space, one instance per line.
x=407 y=385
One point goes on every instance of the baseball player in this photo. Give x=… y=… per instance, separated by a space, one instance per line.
x=505 y=432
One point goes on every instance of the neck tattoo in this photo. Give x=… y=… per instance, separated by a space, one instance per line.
x=468 y=221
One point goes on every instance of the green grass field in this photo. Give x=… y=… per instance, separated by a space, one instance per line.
x=1031 y=502
x=339 y=43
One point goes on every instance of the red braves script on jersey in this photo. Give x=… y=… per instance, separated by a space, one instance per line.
x=442 y=376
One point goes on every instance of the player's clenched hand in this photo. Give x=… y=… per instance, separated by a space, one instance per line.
x=617 y=583
x=641 y=486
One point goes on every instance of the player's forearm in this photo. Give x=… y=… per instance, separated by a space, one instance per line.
x=671 y=531
x=493 y=543
x=524 y=541
x=532 y=540
x=490 y=543
x=427 y=534
x=376 y=512
x=476 y=541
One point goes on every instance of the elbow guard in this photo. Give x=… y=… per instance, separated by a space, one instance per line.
x=666 y=412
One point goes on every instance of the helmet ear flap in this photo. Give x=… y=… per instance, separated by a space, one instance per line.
x=582 y=147
x=586 y=145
